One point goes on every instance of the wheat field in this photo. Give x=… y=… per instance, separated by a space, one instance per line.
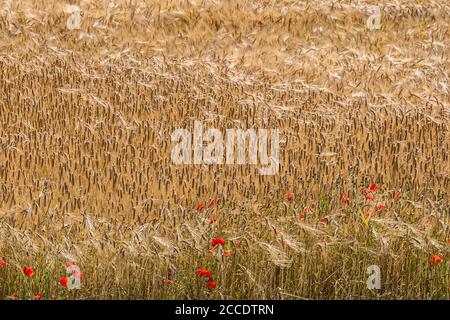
x=86 y=176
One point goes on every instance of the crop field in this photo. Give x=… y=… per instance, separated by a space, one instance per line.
x=94 y=205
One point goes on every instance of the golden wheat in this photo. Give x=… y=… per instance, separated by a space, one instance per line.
x=86 y=176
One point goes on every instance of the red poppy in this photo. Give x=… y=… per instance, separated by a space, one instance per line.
x=38 y=296
x=324 y=220
x=290 y=197
x=216 y=241
x=211 y=284
x=380 y=206
x=200 y=206
x=70 y=264
x=436 y=260
x=301 y=216
x=369 y=196
x=28 y=272
x=373 y=188
x=2 y=263
x=345 y=199
x=64 y=281
x=204 y=272
x=228 y=252
x=167 y=281
x=307 y=209
x=212 y=203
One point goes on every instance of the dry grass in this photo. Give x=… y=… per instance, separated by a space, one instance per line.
x=85 y=169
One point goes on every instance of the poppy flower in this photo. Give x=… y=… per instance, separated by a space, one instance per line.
x=369 y=196
x=2 y=263
x=64 y=281
x=436 y=260
x=307 y=209
x=212 y=203
x=228 y=252
x=38 y=296
x=290 y=197
x=28 y=272
x=204 y=272
x=325 y=220
x=200 y=206
x=211 y=284
x=301 y=216
x=345 y=199
x=216 y=241
x=167 y=281
x=380 y=206
x=373 y=188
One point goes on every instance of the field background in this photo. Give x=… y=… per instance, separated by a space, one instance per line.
x=85 y=170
